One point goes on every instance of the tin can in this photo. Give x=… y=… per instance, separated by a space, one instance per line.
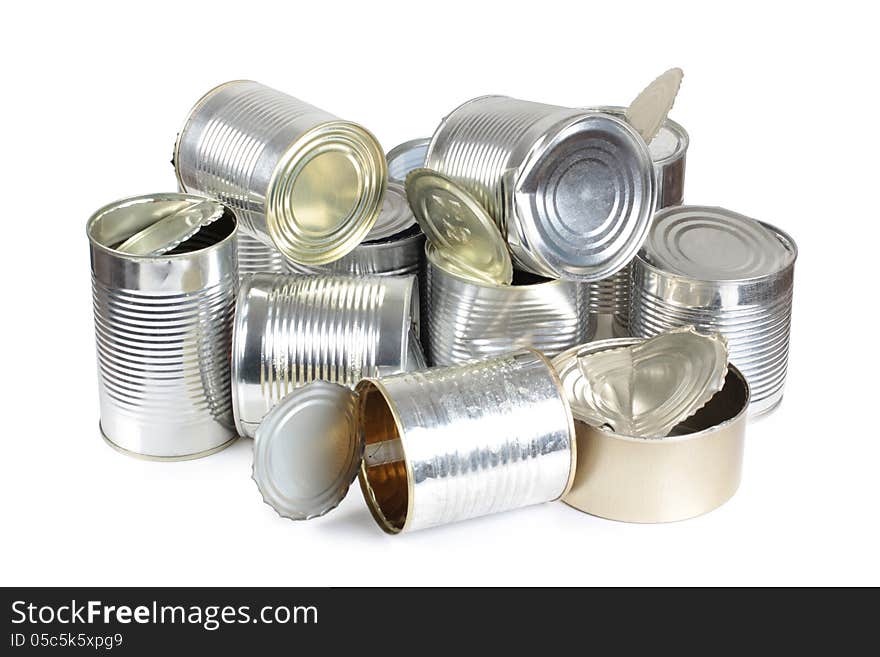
x=744 y=290
x=468 y=319
x=290 y=330
x=255 y=257
x=572 y=190
x=163 y=326
x=298 y=177
x=688 y=473
x=447 y=444
x=405 y=157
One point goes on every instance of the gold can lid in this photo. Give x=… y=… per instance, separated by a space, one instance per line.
x=460 y=230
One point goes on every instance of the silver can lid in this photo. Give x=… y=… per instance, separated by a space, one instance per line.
x=395 y=217
x=583 y=201
x=649 y=109
x=169 y=231
x=308 y=450
x=405 y=157
x=714 y=244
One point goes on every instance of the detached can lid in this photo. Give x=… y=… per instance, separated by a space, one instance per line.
x=308 y=450
x=462 y=233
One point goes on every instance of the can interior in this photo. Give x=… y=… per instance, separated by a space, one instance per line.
x=386 y=485
x=727 y=404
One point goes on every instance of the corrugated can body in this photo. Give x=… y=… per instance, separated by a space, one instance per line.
x=290 y=330
x=299 y=178
x=467 y=320
x=255 y=257
x=399 y=256
x=163 y=326
x=529 y=163
x=474 y=439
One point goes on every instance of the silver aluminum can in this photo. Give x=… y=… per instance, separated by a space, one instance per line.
x=405 y=157
x=290 y=330
x=572 y=190
x=298 y=177
x=473 y=439
x=466 y=319
x=752 y=308
x=163 y=326
x=255 y=257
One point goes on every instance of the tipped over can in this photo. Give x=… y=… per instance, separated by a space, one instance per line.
x=255 y=257
x=298 y=177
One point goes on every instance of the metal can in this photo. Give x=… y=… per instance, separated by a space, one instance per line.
x=468 y=319
x=297 y=176
x=163 y=326
x=447 y=444
x=572 y=190
x=721 y=272
x=255 y=257
x=290 y=330
x=405 y=157
x=688 y=473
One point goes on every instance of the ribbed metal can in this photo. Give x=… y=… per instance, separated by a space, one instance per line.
x=290 y=330
x=467 y=319
x=299 y=178
x=255 y=257
x=464 y=441
x=572 y=190
x=163 y=326
x=745 y=293
x=405 y=157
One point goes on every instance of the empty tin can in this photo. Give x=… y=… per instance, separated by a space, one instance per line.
x=399 y=253
x=163 y=326
x=690 y=472
x=255 y=257
x=572 y=190
x=468 y=319
x=290 y=330
x=297 y=176
x=721 y=272
x=405 y=157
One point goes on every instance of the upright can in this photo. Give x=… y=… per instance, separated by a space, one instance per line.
x=572 y=190
x=163 y=326
x=298 y=177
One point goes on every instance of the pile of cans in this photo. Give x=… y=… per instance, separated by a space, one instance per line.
x=415 y=320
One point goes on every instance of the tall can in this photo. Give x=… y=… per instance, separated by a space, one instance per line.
x=448 y=444
x=719 y=271
x=572 y=190
x=467 y=319
x=163 y=326
x=255 y=257
x=298 y=177
x=290 y=330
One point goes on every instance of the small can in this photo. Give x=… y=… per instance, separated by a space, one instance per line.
x=290 y=330
x=163 y=326
x=468 y=319
x=571 y=190
x=694 y=470
x=299 y=178
x=255 y=257
x=405 y=157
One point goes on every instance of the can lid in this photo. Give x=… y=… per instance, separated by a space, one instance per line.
x=405 y=157
x=649 y=109
x=714 y=244
x=462 y=233
x=395 y=217
x=180 y=221
x=308 y=450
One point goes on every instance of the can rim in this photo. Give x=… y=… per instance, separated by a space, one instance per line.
x=674 y=126
x=403 y=148
x=238 y=322
x=432 y=260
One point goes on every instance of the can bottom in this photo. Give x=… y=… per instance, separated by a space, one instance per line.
x=149 y=457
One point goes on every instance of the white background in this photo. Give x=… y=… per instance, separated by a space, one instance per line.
x=781 y=106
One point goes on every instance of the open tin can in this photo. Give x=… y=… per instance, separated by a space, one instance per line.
x=290 y=330
x=163 y=325
x=405 y=157
x=468 y=319
x=430 y=447
x=634 y=479
x=299 y=178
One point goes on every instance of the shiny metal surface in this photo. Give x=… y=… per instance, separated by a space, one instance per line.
x=255 y=257
x=726 y=273
x=689 y=473
x=297 y=176
x=395 y=218
x=459 y=230
x=479 y=438
x=572 y=190
x=308 y=450
x=163 y=326
x=290 y=330
x=467 y=320
x=170 y=231
x=405 y=157
x=647 y=389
